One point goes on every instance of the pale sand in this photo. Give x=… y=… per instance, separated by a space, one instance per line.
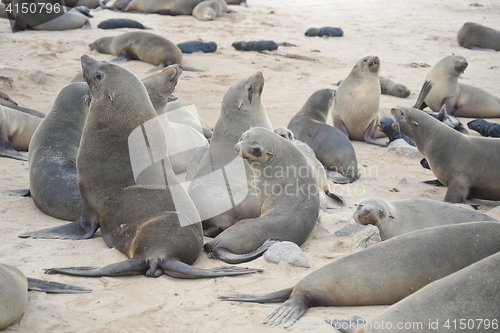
x=399 y=32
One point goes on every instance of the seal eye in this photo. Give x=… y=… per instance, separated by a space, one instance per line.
x=98 y=76
x=241 y=139
x=283 y=135
x=250 y=89
x=256 y=152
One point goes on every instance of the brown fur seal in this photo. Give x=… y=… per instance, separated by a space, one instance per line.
x=140 y=45
x=209 y=10
x=461 y=100
x=165 y=7
x=222 y=185
x=466 y=164
x=356 y=105
x=16 y=130
x=476 y=36
x=287 y=193
x=330 y=145
x=128 y=187
x=52 y=154
x=463 y=301
x=14 y=292
x=399 y=217
x=389 y=87
x=392 y=269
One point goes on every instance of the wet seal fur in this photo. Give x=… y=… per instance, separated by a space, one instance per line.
x=461 y=100
x=289 y=215
x=329 y=144
x=476 y=36
x=467 y=165
x=52 y=154
x=357 y=100
x=140 y=45
x=397 y=217
x=219 y=179
x=395 y=269
x=128 y=187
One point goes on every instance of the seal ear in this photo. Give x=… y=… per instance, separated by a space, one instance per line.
x=390 y=215
x=111 y=96
x=270 y=153
x=415 y=123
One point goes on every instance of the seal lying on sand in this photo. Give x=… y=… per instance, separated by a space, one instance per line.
x=128 y=187
x=477 y=36
x=394 y=269
x=465 y=164
x=329 y=144
x=485 y=128
x=287 y=193
x=399 y=217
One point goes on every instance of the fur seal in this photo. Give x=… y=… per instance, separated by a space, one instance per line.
x=485 y=128
x=117 y=23
x=325 y=31
x=389 y=87
x=476 y=36
x=209 y=10
x=197 y=45
x=283 y=179
x=222 y=184
x=260 y=45
x=330 y=145
x=394 y=269
x=14 y=292
x=385 y=125
x=164 y=7
x=128 y=187
x=461 y=100
x=399 y=217
x=357 y=101
x=465 y=164
x=52 y=154
x=16 y=130
x=140 y=45
x=465 y=300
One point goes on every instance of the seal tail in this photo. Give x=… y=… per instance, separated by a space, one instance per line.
x=74 y=230
x=275 y=297
x=133 y=266
x=178 y=269
x=55 y=288
x=233 y=258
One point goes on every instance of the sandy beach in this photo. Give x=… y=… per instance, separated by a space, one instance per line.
x=407 y=36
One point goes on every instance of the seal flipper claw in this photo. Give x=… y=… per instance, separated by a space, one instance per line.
x=132 y=266
x=55 y=288
x=73 y=230
x=233 y=258
x=178 y=269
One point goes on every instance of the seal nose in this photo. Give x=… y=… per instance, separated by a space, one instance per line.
x=237 y=148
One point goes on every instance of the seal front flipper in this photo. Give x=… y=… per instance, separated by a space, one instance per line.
x=12 y=153
x=122 y=58
x=178 y=269
x=19 y=193
x=233 y=258
x=275 y=297
x=80 y=229
x=458 y=190
x=289 y=312
x=134 y=266
x=55 y=287
x=369 y=135
x=338 y=123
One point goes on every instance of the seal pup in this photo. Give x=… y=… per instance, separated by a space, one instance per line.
x=52 y=154
x=395 y=269
x=461 y=100
x=389 y=87
x=281 y=170
x=164 y=7
x=357 y=100
x=116 y=23
x=140 y=45
x=222 y=183
x=128 y=187
x=476 y=36
x=318 y=168
x=473 y=293
x=485 y=128
x=209 y=10
x=399 y=217
x=14 y=292
x=16 y=130
x=329 y=144
x=465 y=164
x=385 y=125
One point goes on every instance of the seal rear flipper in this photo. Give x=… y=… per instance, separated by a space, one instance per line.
x=190 y=69
x=55 y=288
x=121 y=58
x=338 y=123
x=275 y=297
x=73 y=230
x=344 y=180
x=289 y=312
x=133 y=266
x=336 y=197
x=19 y=193
x=420 y=103
x=434 y=182
x=369 y=135
x=233 y=258
x=178 y=269
x=12 y=153
x=347 y=325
